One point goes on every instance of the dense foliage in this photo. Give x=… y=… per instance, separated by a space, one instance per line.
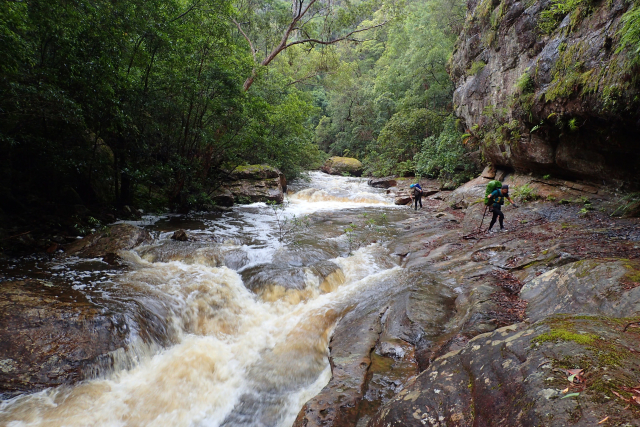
x=118 y=102
x=390 y=99
x=152 y=104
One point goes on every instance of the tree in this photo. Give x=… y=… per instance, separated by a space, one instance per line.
x=393 y=91
x=310 y=22
x=115 y=102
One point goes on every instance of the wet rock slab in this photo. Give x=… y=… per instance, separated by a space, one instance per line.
x=377 y=346
x=110 y=241
x=51 y=336
x=518 y=375
x=553 y=262
x=584 y=287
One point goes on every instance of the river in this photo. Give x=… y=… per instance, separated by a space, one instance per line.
x=241 y=317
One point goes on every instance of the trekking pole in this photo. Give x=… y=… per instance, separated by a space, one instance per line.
x=483 y=215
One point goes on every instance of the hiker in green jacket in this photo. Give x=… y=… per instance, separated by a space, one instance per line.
x=497 y=199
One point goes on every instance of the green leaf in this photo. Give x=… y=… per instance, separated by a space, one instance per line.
x=570 y=395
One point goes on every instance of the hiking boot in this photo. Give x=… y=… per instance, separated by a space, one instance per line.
x=503 y=230
x=492 y=231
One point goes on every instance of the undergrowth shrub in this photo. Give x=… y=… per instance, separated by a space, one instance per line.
x=525 y=84
x=442 y=156
x=551 y=17
x=630 y=32
x=476 y=67
x=525 y=193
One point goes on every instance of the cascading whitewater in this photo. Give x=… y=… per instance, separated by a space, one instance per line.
x=239 y=358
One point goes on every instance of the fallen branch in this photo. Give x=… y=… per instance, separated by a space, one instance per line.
x=17 y=235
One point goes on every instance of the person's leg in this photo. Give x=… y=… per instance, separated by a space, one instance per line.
x=493 y=219
x=420 y=200
x=501 y=220
x=415 y=203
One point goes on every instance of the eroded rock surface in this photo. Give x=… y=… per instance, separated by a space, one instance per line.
x=251 y=184
x=52 y=335
x=521 y=81
x=591 y=287
x=114 y=239
x=500 y=296
x=517 y=375
x=376 y=347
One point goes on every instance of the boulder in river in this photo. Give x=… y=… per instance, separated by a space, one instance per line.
x=292 y=283
x=382 y=182
x=119 y=237
x=402 y=199
x=180 y=235
x=255 y=172
x=51 y=335
x=343 y=166
x=251 y=184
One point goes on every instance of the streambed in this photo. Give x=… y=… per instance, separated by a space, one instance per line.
x=236 y=323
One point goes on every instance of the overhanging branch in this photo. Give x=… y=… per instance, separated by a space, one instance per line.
x=346 y=37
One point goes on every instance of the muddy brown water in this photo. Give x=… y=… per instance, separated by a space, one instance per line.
x=246 y=316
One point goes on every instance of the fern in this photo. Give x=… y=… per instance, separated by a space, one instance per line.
x=630 y=32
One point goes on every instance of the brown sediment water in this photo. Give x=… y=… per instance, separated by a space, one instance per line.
x=248 y=319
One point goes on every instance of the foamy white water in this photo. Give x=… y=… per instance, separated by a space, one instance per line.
x=240 y=359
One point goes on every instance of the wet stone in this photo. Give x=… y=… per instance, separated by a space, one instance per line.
x=116 y=238
x=50 y=335
x=517 y=376
x=180 y=235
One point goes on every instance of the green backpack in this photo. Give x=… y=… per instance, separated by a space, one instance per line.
x=491 y=186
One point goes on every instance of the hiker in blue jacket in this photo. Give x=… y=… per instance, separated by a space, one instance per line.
x=417 y=194
x=497 y=199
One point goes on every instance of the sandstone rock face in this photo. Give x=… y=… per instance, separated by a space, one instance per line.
x=251 y=184
x=559 y=100
x=481 y=329
x=376 y=347
x=516 y=375
x=585 y=287
x=489 y=172
x=51 y=336
x=116 y=238
x=343 y=165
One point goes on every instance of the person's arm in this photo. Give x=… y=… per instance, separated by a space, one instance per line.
x=512 y=202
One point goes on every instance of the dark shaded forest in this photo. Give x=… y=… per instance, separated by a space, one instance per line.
x=152 y=104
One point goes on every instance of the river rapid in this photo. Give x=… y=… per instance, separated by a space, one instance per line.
x=239 y=320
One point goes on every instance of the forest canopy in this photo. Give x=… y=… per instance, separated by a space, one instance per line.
x=154 y=103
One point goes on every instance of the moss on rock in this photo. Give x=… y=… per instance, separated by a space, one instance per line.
x=343 y=166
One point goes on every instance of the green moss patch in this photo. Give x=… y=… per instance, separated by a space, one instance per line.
x=566 y=335
x=596 y=345
x=476 y=67
x=632 y=278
